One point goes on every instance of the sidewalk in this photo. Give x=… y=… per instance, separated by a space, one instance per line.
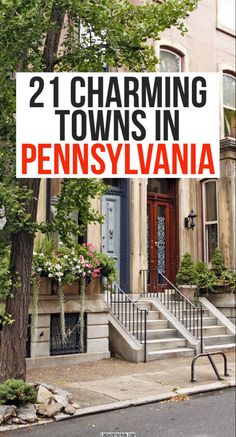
x=113 y=383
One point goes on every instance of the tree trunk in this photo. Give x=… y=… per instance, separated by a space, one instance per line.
x=13 y=337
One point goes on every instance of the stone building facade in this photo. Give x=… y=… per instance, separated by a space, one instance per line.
x=144 y=224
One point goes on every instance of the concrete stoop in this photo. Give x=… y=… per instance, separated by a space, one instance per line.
x=167 y=338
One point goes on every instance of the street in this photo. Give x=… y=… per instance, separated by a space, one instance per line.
x=206 y=415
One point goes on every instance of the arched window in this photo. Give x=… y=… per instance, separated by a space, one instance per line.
x=210 y=219
x=229 y=104
x=170 y=62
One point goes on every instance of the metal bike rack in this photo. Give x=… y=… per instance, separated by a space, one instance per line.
x=209 y=356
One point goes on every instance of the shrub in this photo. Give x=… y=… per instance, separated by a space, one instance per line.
x=16 y=391
x=205 y=278
x=229 y=278
x=186 y=274
x=218 y=263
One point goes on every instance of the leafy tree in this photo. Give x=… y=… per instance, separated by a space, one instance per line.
x=60 y=35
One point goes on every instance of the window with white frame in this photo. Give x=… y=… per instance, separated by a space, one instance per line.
x=170 y=62
x=229 y=104
x=210 y=219
x=226 y=15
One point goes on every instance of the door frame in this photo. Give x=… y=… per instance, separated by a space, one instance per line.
x=122 y=189
x=172 y=199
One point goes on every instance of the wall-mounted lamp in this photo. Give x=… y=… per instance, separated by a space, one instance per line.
x=189 y=221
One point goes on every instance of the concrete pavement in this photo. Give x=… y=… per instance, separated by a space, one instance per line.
x=115 y=384
x=112 y=384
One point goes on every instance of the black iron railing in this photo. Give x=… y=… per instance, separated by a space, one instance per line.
x=128 y=313
x=188 y=314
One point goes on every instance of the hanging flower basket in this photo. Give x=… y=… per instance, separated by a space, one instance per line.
x=68 y=270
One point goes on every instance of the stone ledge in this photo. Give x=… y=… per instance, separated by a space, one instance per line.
x=66 y=360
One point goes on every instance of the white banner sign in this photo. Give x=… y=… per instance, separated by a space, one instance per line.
x=117 y=125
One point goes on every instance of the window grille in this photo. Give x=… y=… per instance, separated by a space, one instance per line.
x=72 y=342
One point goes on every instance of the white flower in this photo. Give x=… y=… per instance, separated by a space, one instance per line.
x=50 y=275
x=59 y=274
x=58 y=267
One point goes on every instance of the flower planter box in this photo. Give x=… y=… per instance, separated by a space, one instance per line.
x=222 y=288
x=48 y=287
x=94 y=287
x=45 y=286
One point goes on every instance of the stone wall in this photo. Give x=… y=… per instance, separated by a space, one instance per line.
x=226 y=303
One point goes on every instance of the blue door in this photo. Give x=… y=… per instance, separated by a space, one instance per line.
x=111 y=228
x=116 y=228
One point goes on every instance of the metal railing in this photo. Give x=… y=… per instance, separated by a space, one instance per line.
x=188 y=314
x=128 y=313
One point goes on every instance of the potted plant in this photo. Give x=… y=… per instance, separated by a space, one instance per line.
x=225 y=278
x=205 y=278
x=186 y=277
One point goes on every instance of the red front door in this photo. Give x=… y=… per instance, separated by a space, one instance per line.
x=162 y=239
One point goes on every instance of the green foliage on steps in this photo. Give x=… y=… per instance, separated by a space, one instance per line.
x=218 y=263
x=205 y=278
x=186 y=274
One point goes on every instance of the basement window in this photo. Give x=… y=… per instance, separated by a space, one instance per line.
x=72 y=342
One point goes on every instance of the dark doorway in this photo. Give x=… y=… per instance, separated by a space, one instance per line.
x=162 y=234
x=116 y=227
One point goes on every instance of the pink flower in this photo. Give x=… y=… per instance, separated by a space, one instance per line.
x=96 y=273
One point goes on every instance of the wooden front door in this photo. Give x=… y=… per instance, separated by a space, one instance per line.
x=162 y=236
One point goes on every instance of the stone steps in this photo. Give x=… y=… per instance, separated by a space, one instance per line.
x=213 y=330
x=153 y=334
x=211 y=340
x=157 y=324
x=166 y=343
x=220 y=347
x=171 y=353
x=152 y=315
x=207 y=321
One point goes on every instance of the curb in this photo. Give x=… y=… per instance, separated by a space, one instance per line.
x=190 y=391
